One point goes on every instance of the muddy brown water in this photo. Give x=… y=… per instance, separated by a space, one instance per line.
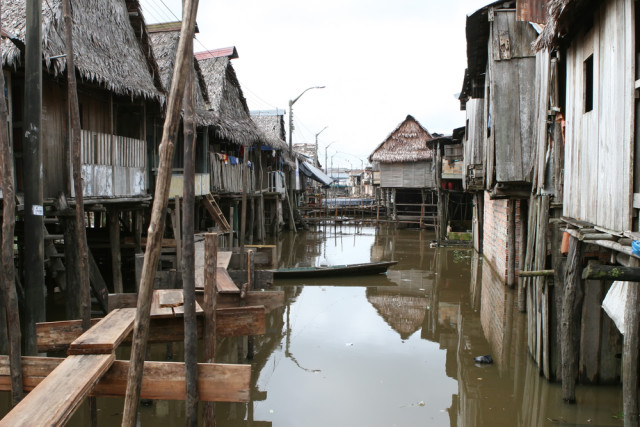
x=387 y=350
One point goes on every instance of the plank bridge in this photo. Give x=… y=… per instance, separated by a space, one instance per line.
x=57 y=386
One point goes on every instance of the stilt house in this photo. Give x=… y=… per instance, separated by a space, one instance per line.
x=406 y=171
x=454 y=204
x=586 y=164
x=118 y=91
x=498 y=95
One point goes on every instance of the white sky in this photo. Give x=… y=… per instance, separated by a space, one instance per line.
x=379 y=60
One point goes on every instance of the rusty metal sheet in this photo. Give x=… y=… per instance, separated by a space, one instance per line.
x=532 y=11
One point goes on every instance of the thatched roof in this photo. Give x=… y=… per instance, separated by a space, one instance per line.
x=562 y=15
x=109 y=43
x=228 y=103
x=164 y=41
x=407 y=143
x=271 y=124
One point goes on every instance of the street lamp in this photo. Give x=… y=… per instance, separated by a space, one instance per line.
x=292 y=178
x=315 y=156
x=326 y=163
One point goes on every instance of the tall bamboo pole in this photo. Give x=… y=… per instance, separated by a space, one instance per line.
x=74 y=113
x=188 y=255
x=156 y=226
x=81 y=231
x=8 y=268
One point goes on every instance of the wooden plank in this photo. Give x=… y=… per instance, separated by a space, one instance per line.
x=106 y=335
x=170 y=297
x=156 y=310
x=224 y=257
x=230 y=322
x=179 y=311
x=224 y=283
x=161 y=380
x=55 y=399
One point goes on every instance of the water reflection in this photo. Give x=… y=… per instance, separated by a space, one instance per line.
x=386 y=350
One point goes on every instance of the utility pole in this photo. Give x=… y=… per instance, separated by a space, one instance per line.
x=292 y=176
x=32 y=173
x=315 y=155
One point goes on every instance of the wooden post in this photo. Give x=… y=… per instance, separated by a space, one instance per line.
x=74 y=113
x=630 y=354
x=81 y=231
x=33 y=183
x=114 y=240
x=522 y=251
x=231 y=228
x=7 y=282
x=245 y=189
x=511 y=243
x=156 y=227
x=209 y=307
x=187 y=256
x=138 y=218
x=571 y=320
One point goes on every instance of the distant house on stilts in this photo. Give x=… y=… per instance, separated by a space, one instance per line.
x=403 y=164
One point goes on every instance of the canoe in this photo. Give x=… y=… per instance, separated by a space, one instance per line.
x=334 y=270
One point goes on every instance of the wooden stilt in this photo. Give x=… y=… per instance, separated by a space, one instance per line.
x=114 y=240
x=511 y=243
x=7 y=278
x=156 y=228
x=630 y=354
x=209 y=307
x=522 y=251
x=188 y=251
x=571 y=320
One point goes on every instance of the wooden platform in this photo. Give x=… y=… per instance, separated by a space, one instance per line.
x=169 y=303
x=56 y=398
x=161 y=380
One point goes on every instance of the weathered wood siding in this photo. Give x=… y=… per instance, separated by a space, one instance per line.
x=407 y=175
x=54 y=134
x=599 y=146
x=473 y=161
x=113 y=166
x=512 y=77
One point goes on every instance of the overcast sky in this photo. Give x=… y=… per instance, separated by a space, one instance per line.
x=380 y=60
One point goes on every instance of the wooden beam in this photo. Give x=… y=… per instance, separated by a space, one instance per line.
x=56 y=398
x=230 y=322
x=611 y=272
x=114 y=241
x=536 y=273
x=161 y=380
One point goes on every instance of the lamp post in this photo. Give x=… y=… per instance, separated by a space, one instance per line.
x=315 y=156
x=326 y=163
x=292 y=177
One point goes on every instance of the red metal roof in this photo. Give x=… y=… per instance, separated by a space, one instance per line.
x=230 y=52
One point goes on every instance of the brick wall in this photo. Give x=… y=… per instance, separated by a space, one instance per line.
x=495 y=234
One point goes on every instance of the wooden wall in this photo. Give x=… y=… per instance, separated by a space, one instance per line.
x=407 y=175
x=473 y=161
x=512 y=98
x=54 y=134
x=599 y=145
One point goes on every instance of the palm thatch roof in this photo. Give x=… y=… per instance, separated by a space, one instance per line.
x=407 y=143
x=109 y=40
x=561 y=16
x=164 y=42
x=271 y=124
x=228 y=104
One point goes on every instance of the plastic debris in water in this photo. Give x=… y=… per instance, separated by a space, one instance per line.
x=483 y=359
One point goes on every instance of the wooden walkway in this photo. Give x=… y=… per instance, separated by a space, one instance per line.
x=56 y=398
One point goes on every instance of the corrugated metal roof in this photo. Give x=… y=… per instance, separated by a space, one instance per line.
x=229 y=52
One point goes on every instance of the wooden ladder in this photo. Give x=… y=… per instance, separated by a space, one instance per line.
x=213 y=208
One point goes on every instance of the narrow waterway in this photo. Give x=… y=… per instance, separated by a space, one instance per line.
x=388 y=350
